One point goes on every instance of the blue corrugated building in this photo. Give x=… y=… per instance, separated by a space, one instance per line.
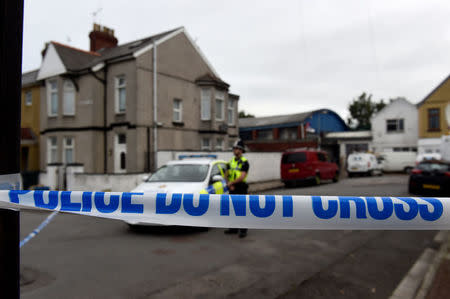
x=281 y=132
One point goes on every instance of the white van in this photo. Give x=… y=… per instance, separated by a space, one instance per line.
x=363 y=163
x=398 y=161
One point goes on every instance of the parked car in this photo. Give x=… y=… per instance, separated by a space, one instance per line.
x=183 y=176
x=430 y=177
x=398 y=161
x=363 y=164
x=300 y=165
x=428 y=157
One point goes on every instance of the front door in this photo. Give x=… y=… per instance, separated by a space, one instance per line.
x=120 y=153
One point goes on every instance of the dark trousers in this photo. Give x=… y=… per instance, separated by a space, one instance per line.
x=240 y=189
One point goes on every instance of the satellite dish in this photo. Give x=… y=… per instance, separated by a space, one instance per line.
x=447 y=114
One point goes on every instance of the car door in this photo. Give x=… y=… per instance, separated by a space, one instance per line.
x=322 y=166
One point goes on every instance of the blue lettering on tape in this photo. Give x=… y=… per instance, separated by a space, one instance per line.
x=128 y=207
x=239 y=204
x=67 y=205
x=385 y=213
x=410 y=213
x=86 y=199
x=203 y=204
x=102 y=207
x=320 y=212
x=406 y=215
x=268 y=209
x=39 y=199
x=288 y=210
x=344 y=205
x=437 y=212
x=163 y=208
x=14 y=195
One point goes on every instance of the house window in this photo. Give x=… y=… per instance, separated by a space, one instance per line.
x=52 y=98
x=121 y=138
x=52 y=149
x=265 y=134
x=68 y=98
x=230 y=112
x=69 y=153
x=205 y=104
x=206 y=144
x=121 y=94
x=220 y=100
x=28 y=98
x=177 y=110
x=434 y=119
x=219 y=144
x=394 y=125
x=230 y=144
x=288 y=133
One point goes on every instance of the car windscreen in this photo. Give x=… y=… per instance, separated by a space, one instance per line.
x=180 y=173
x=438 y=167
x=293 y=158
x=355 y=158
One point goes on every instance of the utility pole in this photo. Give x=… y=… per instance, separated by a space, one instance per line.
x=11 y=32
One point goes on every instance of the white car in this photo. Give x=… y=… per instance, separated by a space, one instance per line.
x=183 y=176
x=363 y=163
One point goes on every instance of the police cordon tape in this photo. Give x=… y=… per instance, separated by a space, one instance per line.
x=247 y=211
x=38 y=229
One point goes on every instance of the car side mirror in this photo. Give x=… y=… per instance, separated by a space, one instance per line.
x=145 y=178
x=217 y=178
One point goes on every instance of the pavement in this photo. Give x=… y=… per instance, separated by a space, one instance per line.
x=429 y=277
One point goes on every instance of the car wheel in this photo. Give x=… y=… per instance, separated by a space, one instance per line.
x=317 y=179
x=336 y=177
x=370 y=173
x=407 y=170
x=350 y=175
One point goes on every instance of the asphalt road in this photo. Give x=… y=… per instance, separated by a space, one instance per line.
x=86 y=257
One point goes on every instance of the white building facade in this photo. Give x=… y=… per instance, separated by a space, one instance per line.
x=395 y=127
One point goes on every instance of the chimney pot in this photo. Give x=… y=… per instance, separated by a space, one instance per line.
x=102 y=37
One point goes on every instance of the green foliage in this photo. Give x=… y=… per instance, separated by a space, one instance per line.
x=242 y=114
x=361 y=110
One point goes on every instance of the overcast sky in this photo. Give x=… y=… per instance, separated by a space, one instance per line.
x=280 y=56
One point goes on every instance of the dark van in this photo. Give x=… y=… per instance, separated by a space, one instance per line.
x=300 y=165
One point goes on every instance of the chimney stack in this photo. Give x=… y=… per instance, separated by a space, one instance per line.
x=102 y=37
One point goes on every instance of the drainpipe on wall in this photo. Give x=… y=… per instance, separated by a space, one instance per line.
x=155 y=114
x=105 y=141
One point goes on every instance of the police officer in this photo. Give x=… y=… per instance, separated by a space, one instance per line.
x=236 y=176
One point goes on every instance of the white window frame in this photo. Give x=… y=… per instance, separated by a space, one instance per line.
x=230 y=112
x=68 y=98
x=117 y=88
x=28 y=98
x=205 y=104
x=52 y=147
x=66 y=147
x=219 y=144
x=397 y=122
x=220 y=100
x=204 y=146
x=50 y=92
x=178 y=110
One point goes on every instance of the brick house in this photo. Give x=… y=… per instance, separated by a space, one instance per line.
x=97 y=105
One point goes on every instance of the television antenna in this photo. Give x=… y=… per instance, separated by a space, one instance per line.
x=95 y=13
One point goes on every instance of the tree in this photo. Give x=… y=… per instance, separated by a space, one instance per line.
x=242 y=114
x=361 y=110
